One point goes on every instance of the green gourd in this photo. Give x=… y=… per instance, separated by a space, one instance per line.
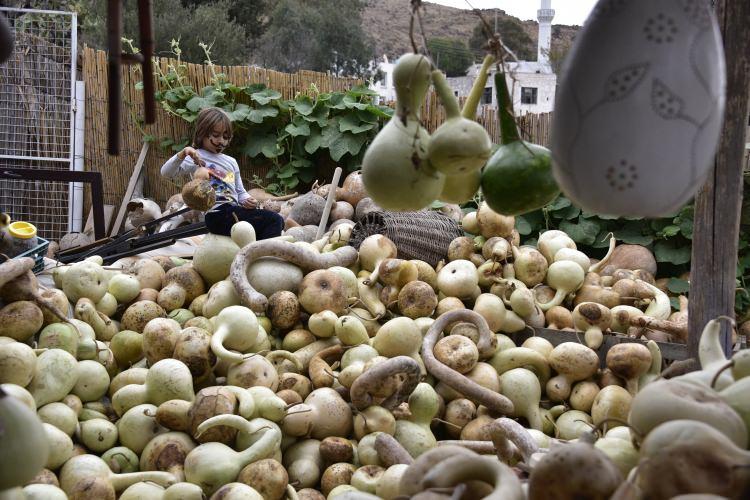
x=460 y=145
x=396 y=172
x=518 y=177
x=415 y=434
x=23 y=443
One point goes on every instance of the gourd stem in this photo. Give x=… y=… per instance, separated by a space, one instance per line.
x=508 y=126
x=472 y=102
x=446 y=95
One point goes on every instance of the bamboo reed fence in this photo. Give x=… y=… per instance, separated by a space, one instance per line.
x=117 y=170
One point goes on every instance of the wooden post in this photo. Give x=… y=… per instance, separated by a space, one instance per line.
x=718 y=203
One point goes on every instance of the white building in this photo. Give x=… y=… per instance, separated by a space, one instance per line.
x=532 y=83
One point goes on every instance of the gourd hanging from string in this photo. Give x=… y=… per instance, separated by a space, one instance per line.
x=396 y=172
x=518 y=177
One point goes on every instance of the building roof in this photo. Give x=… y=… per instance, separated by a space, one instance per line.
x=517 y=67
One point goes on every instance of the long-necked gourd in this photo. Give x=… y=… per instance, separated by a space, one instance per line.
x=396 y=171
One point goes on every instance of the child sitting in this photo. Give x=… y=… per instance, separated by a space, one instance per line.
x=205 y=160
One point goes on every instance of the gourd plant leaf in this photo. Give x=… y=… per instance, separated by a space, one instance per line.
x=257 y=115
x=352 y=123
x=352 y=102
x=240 y=113
x=341 y=143
x=633 y=233
x=197 y=103
x=318 y=114
x=583 y=232
x=265 y=96
x=314 y=140
x=672 y=252
x=265 y=144
x=303 y=105
x=298 y=127
x=676 y=285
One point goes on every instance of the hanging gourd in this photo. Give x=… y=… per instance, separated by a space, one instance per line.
x=518 y=177
x=395 y=170
x=639 y=107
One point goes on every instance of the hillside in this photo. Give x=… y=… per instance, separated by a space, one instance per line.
x=387 y=22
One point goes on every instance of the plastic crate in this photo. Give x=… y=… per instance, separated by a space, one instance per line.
x=37 y=253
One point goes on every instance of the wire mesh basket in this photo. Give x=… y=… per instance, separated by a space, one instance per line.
x=423 y=235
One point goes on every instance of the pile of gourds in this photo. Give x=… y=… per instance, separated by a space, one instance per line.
x=276 y=369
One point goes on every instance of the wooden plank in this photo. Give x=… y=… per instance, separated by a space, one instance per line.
x=669 y=351
x=719 y=201
x=134 y=178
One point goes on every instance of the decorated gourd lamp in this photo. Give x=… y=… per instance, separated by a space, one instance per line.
x=639 y=107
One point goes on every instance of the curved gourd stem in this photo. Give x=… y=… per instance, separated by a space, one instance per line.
x=452 y=378
x=390 y=451
x=246 y=401
x=365 y=383
x=460 y=469
x=503 y=430
x=472 y=102
x=305 y=259
x=273 y=356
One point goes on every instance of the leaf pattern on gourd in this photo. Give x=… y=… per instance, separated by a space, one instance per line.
x=623 y=81
x=665 y=102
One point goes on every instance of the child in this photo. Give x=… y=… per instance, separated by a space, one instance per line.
x=205 y=160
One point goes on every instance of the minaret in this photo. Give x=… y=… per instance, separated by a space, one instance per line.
x=544 y=16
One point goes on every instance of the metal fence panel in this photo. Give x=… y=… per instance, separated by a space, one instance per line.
x=37 y=95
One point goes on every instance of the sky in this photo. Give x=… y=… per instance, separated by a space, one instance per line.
x=566 y=11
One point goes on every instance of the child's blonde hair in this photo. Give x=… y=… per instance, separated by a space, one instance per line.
x=208 y=118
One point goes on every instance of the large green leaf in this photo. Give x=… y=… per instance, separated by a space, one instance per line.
x=352 y=123
x=336 y=101
x=672 y=252
x=558 y=203
x=298 y=127
x=522 y=225
x=265 y=96
x=676 y=285
x=240 y=112
x=634 y=233
x=257 y=115
x=262 y=144
x=303 y=105
x=341 y=143
x=197 y=103
x=352 y=102
x=584 y=232
x=318 y=114
x=314 y=141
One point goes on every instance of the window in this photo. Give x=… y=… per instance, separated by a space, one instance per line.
x=487 y=96
x=528 y=95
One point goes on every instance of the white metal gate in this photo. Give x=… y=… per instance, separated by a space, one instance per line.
x=37 y=116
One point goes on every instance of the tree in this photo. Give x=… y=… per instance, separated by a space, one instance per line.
x=252 y=15
x=208 y=23
x=450 y=55
x=319 y=35
x=513 y=35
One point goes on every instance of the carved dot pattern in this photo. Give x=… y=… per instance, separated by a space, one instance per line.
x=660 y=29
x=622 y=175
x=696 y=12
x=665 y=103
x=621 y=82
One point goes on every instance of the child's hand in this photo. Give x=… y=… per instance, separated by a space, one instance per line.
x=250 y=203
x=202 y=173
x=192 y=153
